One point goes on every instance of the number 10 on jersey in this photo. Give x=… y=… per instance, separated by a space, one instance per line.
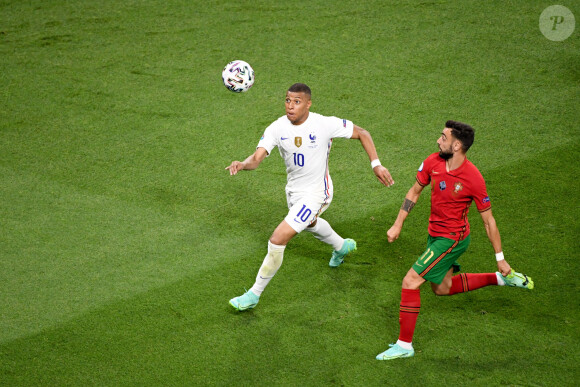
x=298 y=159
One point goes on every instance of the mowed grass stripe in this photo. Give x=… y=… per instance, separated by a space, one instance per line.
x=67 y=250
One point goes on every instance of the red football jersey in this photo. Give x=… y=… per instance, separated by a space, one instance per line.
x=451 y=196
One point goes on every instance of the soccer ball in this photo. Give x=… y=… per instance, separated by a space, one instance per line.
x=238 y=76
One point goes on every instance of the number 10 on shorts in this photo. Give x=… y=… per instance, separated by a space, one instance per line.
x=304 y=213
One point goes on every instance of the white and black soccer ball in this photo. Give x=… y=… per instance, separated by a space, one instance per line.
x=238 y=76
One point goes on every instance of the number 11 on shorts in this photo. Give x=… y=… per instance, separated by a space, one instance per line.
x=426 y=257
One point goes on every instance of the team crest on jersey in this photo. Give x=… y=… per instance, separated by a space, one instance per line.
x=313 y=144
x=298 y=141
x=457 y=187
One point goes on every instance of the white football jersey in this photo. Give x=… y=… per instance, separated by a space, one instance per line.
x=305 y=149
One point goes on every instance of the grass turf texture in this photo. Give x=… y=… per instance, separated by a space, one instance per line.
x=122 y=237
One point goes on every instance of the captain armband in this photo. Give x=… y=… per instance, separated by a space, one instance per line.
x=408 y=205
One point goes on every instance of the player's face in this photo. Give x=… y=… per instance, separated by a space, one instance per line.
x=446 y=144
x=297 y=107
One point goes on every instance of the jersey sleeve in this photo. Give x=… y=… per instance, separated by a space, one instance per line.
x=479 y=194
x=269 y=139
x=340 y=127
x=423 y=176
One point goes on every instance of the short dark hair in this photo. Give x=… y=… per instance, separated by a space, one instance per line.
x=463 y=132
x=300 y=88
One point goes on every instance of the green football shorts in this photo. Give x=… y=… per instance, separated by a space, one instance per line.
x=441 y=255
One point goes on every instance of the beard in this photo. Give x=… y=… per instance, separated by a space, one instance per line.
x=445 y=155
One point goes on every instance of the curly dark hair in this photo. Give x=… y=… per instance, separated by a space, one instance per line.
x=463 y=132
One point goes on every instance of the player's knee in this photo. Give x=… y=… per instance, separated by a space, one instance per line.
x=441 y=290
x=283 y=234
x=281 y=238
x=409 y=283
x=412 y=280
x=277 y=240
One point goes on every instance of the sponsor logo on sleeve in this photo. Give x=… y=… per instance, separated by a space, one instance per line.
x=485 y=200
x=344 y=123
x=421 y=167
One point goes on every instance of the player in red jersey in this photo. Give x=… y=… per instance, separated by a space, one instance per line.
x=455 y=183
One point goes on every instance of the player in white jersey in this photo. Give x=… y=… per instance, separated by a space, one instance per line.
x=304 y=139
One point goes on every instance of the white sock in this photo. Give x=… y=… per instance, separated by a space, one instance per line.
x=405 y=345
x=500 y=280
x=270 y=266
x=323 y=232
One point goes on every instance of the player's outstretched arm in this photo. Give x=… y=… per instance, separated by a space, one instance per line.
x=495 y=239
x=251 y=162
x=408 y=204
x=366 y=140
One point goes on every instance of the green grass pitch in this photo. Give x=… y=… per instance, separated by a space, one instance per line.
x=122 y=237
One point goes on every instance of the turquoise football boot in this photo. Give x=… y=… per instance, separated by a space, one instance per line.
x=246 y=301
x=338 y=256
x=518 y=280
x=395 y=352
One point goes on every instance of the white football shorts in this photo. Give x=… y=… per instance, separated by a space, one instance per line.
x=305 y=209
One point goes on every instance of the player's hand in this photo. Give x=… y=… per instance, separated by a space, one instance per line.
x=235 y=167
x=393 y=233
x=383 y=175
x=503 y=267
